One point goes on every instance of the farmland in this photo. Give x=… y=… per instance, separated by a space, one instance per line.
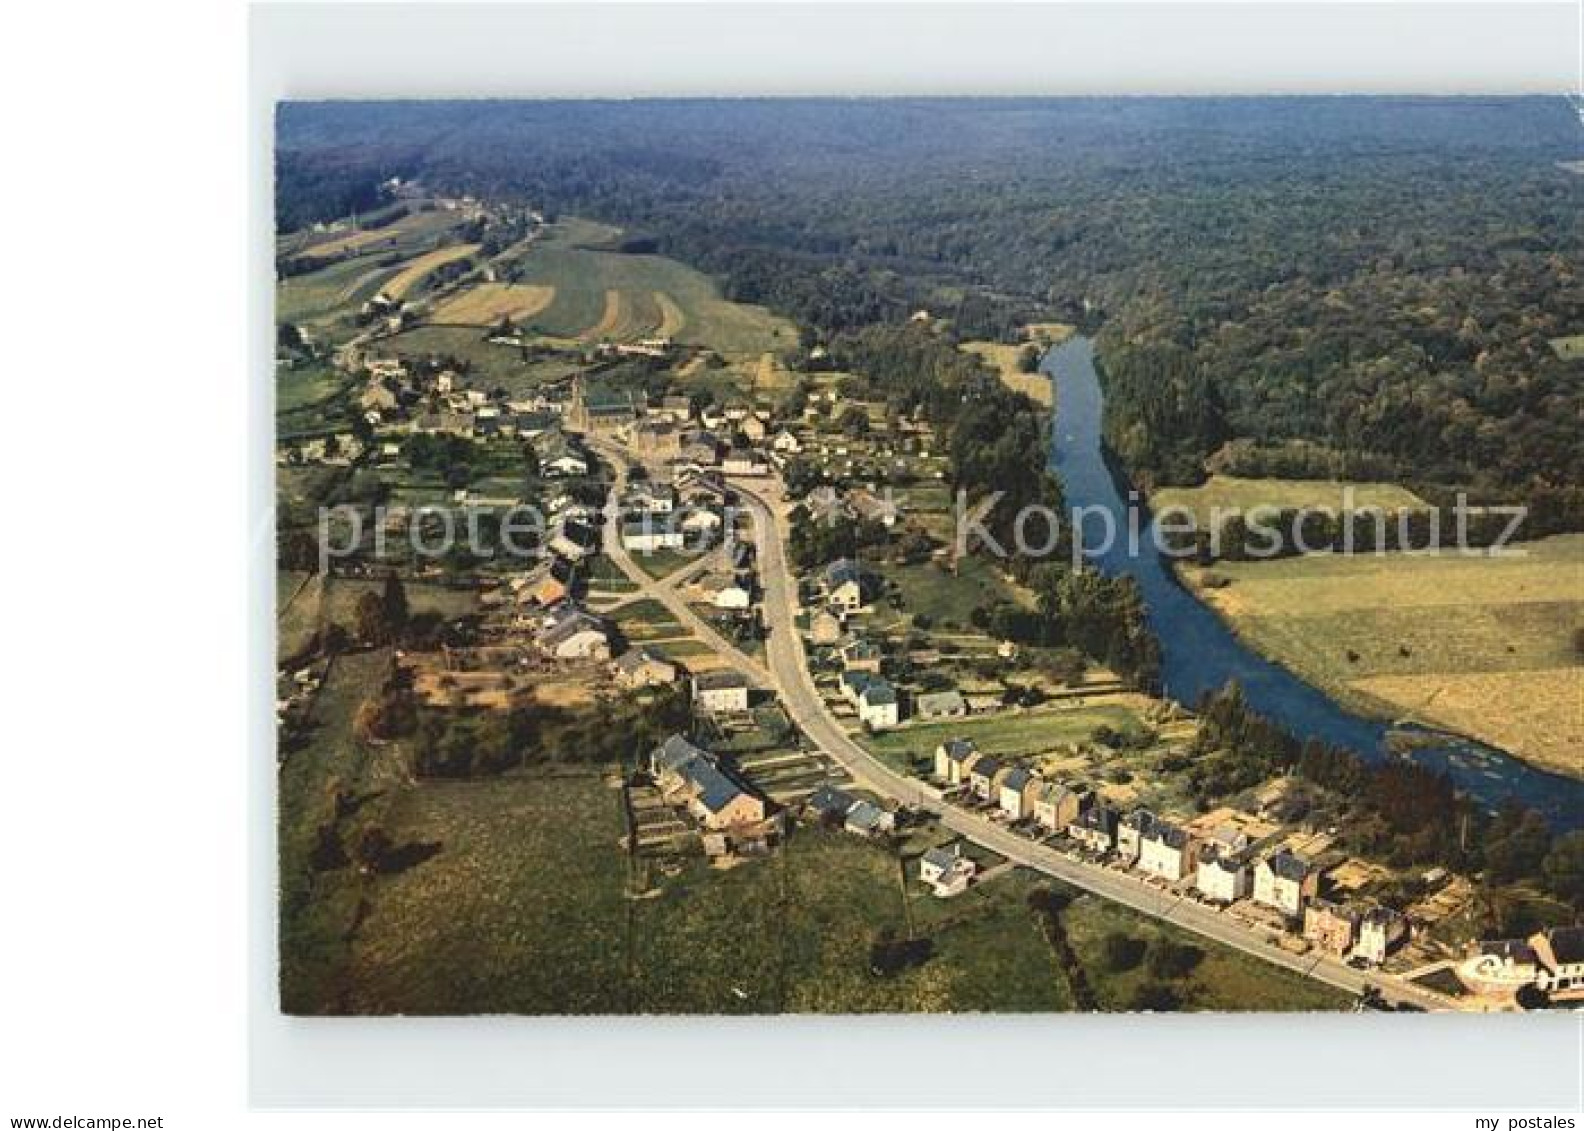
x=400 y=233
x=1228 y=494
x=487 y=303
x=345 y=285
x=605 y=295
x=411 y=276
x=1480 y=645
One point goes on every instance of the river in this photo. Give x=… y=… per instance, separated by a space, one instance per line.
x=1200 y=653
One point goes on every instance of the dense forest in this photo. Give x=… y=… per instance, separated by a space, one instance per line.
x=1377 y=277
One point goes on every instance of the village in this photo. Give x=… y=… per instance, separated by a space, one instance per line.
x=648 y=569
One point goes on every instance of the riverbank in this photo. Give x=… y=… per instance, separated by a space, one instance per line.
x=1201 y=653
x=1478 y=646
x=1006 y=360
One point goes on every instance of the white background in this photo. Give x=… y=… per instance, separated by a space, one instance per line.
x=136 y=558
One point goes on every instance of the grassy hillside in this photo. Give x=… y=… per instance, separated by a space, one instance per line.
x=604 y=295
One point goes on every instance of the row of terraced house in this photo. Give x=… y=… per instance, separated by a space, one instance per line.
x=1224 y=867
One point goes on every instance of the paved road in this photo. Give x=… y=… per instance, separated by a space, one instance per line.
x=789 y=670
x=662 y=590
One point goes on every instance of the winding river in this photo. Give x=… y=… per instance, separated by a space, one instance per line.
x=1200 y=653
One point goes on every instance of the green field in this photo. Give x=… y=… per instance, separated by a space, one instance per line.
x=529 y=906
x=1232 y=494
x=654 y=293
x=1570 y=348
x=307 y=387
x=490 y=364
x=315 y=602
x=373 y=259
x=524 y=909
x=647 y=619
x=1012 y=734
x=1223 y=979
x=318 y=907
x=947 y=598
x=317 y=298
x=1477 y=644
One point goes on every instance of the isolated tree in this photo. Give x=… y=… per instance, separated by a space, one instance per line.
x=854 y=421
x=1170 y=960
x=394 y=603
x=1121 y=952
x=372 y=626
x=334 y=638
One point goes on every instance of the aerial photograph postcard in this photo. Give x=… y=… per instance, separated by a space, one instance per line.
x=929 y=555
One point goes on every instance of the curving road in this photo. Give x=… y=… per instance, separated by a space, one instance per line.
x=790 y=675
x=662 y=590
x=786 y=672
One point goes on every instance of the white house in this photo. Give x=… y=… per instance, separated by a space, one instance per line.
x=725 y=591
x=1284 y=881
x=1165 y=851
x=844 y=585
x=575 y=635
x=786 y=443
x=648 y=537
x=721 y=691
x=563 y=464
x=1222 y=876
x=1380 y=930
x=946 y=870
x=877 y=705
x=702 y=521
x=1131 y=832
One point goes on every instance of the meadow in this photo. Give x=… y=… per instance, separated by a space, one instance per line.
x=318 y=296
x=1011 y=733
x=1003 y=358
x=1484 y=646
x=1230 y=493
x=399 y=234
x=490 y=365
x=610 y=296
x=309 y=603
x=1570 y=348
x=524 y=902
x=947 y=598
